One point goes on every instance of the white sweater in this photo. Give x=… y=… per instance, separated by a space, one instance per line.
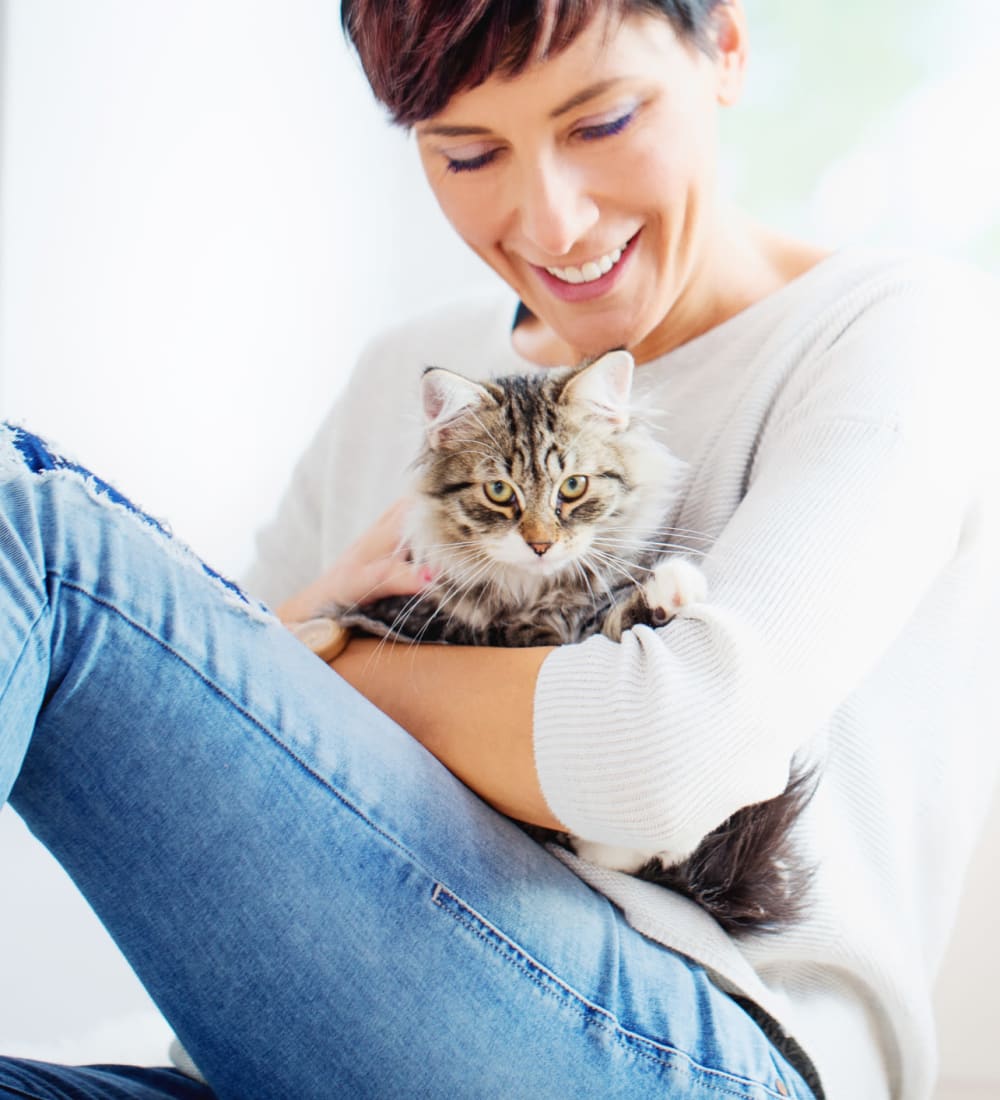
x=841 y=440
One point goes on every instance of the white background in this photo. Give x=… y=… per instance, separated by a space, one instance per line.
x=203 y=217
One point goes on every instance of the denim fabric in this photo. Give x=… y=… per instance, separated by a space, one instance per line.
x=319 y=908
x=39 y=1081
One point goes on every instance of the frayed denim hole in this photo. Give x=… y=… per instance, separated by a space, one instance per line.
x=33 y=453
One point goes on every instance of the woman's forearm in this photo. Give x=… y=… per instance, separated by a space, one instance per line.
x=471 y=707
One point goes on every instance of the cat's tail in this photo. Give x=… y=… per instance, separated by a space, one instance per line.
x=746 y=873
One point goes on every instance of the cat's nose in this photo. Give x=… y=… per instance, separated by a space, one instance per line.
x=539 y=547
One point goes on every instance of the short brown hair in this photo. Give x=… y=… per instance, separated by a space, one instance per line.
x=418 y=53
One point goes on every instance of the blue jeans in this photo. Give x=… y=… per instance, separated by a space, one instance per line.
x=319 y=908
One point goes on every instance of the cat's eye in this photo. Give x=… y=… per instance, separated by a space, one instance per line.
x=573 y=487
x=500 y=492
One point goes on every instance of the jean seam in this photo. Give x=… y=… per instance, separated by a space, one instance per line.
x=27 y=638
x=718 y=1080
x=257 y=723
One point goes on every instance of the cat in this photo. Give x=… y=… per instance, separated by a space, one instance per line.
x=540 y=508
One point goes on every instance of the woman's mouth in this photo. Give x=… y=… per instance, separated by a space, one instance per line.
x=592 y=278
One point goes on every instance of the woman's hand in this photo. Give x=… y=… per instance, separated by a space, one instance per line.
x=374 y=566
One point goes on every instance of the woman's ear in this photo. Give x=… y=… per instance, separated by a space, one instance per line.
x=729 y=39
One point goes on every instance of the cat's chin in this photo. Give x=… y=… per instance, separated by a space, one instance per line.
x=540 y=567
x=524 y=579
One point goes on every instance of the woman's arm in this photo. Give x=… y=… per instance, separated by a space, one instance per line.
x=471 y=707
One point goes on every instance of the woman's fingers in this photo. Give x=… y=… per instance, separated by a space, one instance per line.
x=377 y=564
x=399 y=578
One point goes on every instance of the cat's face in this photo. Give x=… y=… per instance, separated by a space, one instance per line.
x=526 y=478
x=531 y=507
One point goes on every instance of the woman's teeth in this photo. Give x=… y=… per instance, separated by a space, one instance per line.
x=590 y=271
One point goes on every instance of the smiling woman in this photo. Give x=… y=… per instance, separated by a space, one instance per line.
x=598 y=168
x=600 y=207
x=375 y=924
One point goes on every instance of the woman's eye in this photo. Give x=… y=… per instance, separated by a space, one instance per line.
x=606 y=129
x=573 y=487
x=471 y=164
x=500 y=492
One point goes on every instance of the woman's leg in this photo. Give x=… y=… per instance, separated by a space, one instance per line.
x=30 y=1080
x=317 y=906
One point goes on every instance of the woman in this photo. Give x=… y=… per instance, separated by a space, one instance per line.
x=319 y=906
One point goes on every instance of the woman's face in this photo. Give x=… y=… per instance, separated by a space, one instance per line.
x=588 y=182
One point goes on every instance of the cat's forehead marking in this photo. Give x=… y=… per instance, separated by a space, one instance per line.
x=553 y=461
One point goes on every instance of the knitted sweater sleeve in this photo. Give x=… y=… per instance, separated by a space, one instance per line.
x=858 y=494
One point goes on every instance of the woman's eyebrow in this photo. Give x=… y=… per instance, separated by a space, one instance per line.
x=454 y=131
x=592 y=91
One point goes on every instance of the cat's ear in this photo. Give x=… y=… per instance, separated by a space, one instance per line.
x=447 y=399
x=603 y=386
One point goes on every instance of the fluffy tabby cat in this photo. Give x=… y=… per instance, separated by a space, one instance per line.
x=540 y=510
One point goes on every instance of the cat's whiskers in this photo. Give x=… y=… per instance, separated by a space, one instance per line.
x=653 y=532
x=406 y=610
x=449 y=546
x=395 y=628
x=687 y=532
x=650 y=545
x=472 y=547
x=598 y=575
x=462 y=575
x=473 y=444
x=660 y=529
x=489 y=435
x=483 y=590
x=619 y=564
x=488 y=456
x=457 y=589
x=579 y=569
x=461 y=572
x=495 y=582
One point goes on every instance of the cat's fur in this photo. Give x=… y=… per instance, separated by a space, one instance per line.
x=580 y=547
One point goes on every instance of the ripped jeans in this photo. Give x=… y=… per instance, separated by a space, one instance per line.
x=318 y=907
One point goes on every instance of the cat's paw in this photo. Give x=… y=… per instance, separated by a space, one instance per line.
x=674 y=584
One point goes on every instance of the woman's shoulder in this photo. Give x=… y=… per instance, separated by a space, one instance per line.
x=899 y=338
x=857 y=279
x=864 y=293
x=876 y=306
x=924 y=305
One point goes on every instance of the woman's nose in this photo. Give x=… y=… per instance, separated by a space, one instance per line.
x=554 y=207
